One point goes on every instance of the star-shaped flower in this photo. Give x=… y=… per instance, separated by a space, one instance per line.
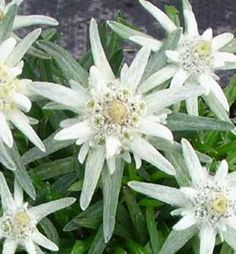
x=114 y=116
x=14 y=92
x=25 y=20
x=18 y=224
x=209 y=204
x=194 y=61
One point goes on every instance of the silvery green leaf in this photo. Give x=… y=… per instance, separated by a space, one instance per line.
x=22 y=47
x=111 y=190
x=7 y=22
x=184 y=122
x=226 y=249
x=158 y=60
x=68 y=65
x=21 y=172
x=5 y=158
x=38 y=53
x=51 y=146
x=54 y=168
x=176 y=240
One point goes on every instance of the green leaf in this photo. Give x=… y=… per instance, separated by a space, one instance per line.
x=135 y=215
x=111 y=190
x=153 y=232
x=135 y=248
x=226 y=249
x=82 y=246
x=230 y=91
x=54 y=168
x=98 y=245
x=21 y=173
x=7 y=22
x=184 y=122
x=71 y=69
x=177 y=239
x=51 y=146
x=173 y=14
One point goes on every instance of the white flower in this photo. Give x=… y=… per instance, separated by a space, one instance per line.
x=209 y=204
x=18 y=224
x=195 y=59
x=115 y=118
x=23 y=20
x=14 y=92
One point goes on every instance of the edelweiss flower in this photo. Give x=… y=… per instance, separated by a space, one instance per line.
x=195 y=59
x=208 y=204
x=18 y=225
x=14 y=91
x=24 y=21
x=114 y=116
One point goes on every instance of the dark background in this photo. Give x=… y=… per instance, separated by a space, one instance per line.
x=74 y=16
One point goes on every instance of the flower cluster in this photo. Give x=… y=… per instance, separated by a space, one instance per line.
x=118 y=118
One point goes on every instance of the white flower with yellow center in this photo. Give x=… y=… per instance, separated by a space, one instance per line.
x=209 y=204
x=115 y=118
x=14 y=92
x=18 y=224
x=25 y=20
x=195 y=59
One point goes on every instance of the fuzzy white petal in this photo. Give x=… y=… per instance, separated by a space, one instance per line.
x=152 y=43
x=9 y=247
x=191 y=26
x=226 y=57
x=179 y=78
x=207 y=35
x=99 y=56
x=83 y=152
x=18 y=194
x=159 y=15
x=93 y=168
x=30 y=246
x=21 y=101
x=221 y=40
x=137 y=68
x=43 y=241
x=157 y=78
x=97 y=82
x=192 y=106
x=149 y=127
x=222 y=171
x=197 y=172
x=111 y=164
x=78 y=130
x=147 y=152
x=30 y=20
x=169 y=195
x=186 y=222
x=41 y=211
x=5 y=131
x=172 y=55
x=60 y=94
x=7 y=200
x=207 y=240
x=22 y=123
x=189 y=192
x=6 y=48
x=113 y=146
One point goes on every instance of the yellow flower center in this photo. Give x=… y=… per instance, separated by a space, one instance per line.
x=117 y=111
x=21 y=220
x=220 y=204
x=204 y=48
